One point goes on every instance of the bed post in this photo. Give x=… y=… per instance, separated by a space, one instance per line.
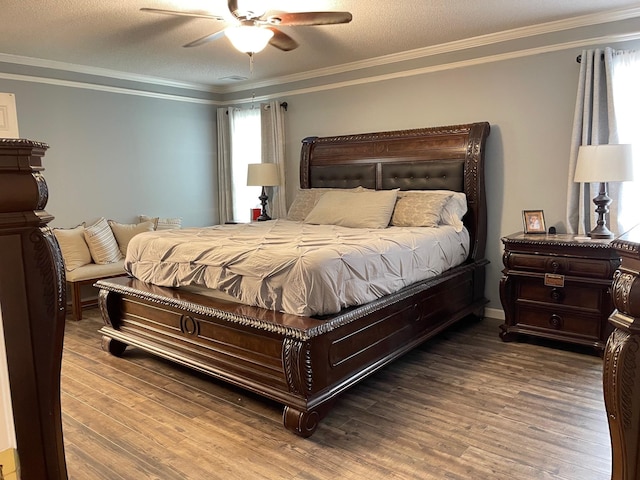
x=476 y=218
x=32 y=299
x=305 y=157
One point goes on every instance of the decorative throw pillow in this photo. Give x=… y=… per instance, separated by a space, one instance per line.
x=102 y=244
x=454 y=208
x=163 y=223
x=419 y=209
x=363 y=209
x=306 y=199
x=125 y=232
x=74 y=248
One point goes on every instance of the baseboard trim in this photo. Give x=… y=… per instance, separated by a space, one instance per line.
x=496 y=313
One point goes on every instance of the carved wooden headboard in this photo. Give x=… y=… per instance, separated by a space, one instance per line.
x=439 y=158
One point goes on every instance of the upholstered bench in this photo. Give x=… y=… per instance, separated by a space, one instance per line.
x=94 y=252
x=88 y=275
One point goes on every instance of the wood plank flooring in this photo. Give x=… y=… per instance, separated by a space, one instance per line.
x=464 y=406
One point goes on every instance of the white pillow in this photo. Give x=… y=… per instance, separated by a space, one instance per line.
x=362 y=209
x=415 y=209
x=306 y=199
x=125 y=232
x=163 y=223
x=74 y=248
x=102 y=244
x=454 y=210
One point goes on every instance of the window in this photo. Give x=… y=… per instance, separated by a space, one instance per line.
x=626 y=102
x=245 y=149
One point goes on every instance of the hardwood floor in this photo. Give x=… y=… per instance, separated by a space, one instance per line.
x=465 y=405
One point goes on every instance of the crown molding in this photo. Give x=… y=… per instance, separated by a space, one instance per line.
x=440 y=67
x=473 y=42
x=479 y=41
x=103 y=72
x=105 y=88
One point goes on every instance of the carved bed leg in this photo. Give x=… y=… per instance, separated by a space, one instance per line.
x=300 y=423
x=114 y=347
x=304 y=423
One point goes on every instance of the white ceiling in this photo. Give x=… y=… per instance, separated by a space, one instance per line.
x=115 y=35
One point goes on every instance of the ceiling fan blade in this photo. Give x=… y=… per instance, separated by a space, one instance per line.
x=181 y=14
x=233 y=7
x=310 y=18
x=205 y=39
x=281 y=40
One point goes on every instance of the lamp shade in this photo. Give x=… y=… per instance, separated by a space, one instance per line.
x=248 y=38
x=263 y=175
x=604 y=163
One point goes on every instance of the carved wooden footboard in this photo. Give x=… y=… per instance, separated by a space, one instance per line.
x=301 y=362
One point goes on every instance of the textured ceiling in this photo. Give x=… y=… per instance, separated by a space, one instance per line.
x=116 y=35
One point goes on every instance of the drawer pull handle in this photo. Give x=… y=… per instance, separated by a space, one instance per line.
x=557 y=294
x=556 y=321
x=555 y=266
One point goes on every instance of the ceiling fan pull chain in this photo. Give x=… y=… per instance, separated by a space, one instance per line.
x=253 y=93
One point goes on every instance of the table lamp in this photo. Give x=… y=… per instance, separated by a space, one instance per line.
x=263 y=175
x=603 y=163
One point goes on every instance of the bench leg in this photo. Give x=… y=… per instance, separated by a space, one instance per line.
x=76 y=301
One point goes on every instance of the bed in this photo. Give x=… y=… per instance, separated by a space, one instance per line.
x=306 y=361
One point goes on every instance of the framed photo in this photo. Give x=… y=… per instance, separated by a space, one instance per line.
x=533 y=221
x=8 y=116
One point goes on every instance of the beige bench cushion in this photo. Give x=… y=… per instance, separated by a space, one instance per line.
x=92 y=270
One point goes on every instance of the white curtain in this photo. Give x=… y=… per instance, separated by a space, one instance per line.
x=225 y=198
x=626 y=101
x=273 y=151
x=593 y=124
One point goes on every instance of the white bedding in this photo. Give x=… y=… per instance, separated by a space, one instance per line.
x=295 y=267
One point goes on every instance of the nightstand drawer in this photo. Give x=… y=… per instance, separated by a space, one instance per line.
x=560 y=321
x=589 y=298
x=593 y=268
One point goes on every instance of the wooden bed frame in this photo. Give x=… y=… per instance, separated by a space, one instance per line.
x=306 y=362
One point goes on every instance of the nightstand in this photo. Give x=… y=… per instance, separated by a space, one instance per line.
x=557 y=287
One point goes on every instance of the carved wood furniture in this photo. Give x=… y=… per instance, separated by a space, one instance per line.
x=306 y=362
x=557 y=287
x=32 y=299
x=621 y=376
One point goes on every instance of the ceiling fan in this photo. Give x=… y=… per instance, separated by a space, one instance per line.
x=254 y=30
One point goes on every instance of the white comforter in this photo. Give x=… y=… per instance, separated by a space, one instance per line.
x=295 y=267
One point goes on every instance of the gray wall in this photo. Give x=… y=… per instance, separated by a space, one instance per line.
x=119 y=155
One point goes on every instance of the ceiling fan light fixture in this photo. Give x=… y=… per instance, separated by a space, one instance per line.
x=248 y=39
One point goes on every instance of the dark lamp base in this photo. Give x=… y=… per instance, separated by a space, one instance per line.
x=263 y=201
x=594 y=234
x=602 y=202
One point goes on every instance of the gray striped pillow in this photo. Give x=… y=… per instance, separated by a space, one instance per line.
x=102 y=244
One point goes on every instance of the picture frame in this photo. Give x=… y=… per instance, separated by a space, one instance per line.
x=533 y=221
x=8 y=116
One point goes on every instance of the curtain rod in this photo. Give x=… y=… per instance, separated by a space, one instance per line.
x=284 y=105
